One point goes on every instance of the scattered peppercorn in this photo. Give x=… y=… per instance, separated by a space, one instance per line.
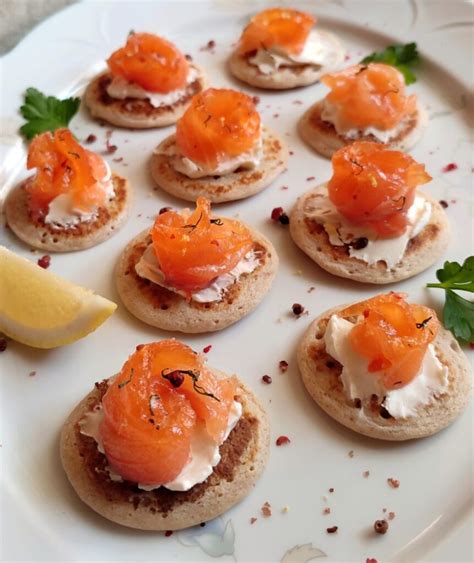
x=391 y=515
x=188 y=57
x=282 y=440
x=202 y=524
x=111 y=148
x=207 y=348
x=266 y=379
x=384 y=412
x=175 y=377
x=164 y=210
x=3 y=344
x=209 y=46
x=91 y=139
x=278 y=215
x=381 y=526
x=450 y=167
x=283 y=365
x=44 y=261
x=168 y=533
x=371 y=560
x=32 y=374
x=331 y=490
x=253 y=520
x=327 y=510
x=359 y=243
x=443 y=203
x=351 y=453
x=395 y=483
x=256 y=99
x=297 y=309
x=310 y=178
x=366 y=474
x=139 y=347
x=266 y=509
x=332 y=530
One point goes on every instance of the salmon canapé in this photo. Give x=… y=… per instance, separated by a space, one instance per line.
x=392 y=335
x=369 y=96
x=152 y=408
x=281 y=28
x=374 y=187
x=219 y=124
x=63 y=166
x=150 y=61
x=193 y=249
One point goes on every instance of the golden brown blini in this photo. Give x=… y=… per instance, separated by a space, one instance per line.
x=137 y=113
x=38 y=234
x=286 y=76
x=323 y=138
x=218 y=189
x=243 y=457
x=165 y=309
x=422 y=251
x=321 y=375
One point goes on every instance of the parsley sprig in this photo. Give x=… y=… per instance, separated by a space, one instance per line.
x=46 y=113
x=458 y=313
x=402 y=57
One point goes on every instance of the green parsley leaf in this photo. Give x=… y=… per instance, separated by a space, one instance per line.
x=458 y=313
x=402 y=57
x=455 y=276
x=46 y=113
x=458 y=316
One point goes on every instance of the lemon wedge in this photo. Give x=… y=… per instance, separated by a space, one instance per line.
x=43 y=310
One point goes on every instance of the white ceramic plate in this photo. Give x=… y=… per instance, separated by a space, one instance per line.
x=43 y=518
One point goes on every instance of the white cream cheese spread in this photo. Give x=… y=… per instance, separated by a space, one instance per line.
x=318 y=50
x=203 y=458
x=431 y=381
x=61 y=212
x=341 y=231
x=248 y=160
x=148 y=268
x=120 y=88
x=329 y=112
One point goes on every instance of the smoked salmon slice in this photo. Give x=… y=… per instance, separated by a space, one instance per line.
x=392 y=335
x=374 y=187
x=63 y=166
x=151 y=409
x=193 y=249
x=219 y=124
x=369 y=96
x=150 y=61
x=277 y=27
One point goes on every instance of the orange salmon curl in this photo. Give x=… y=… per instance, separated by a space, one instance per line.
x=393 y=336
x=152 y=407
x=374 y=187
x=63 y=166
x=150 y=61
x=284 y=28
x=193 y=249
x=369 y=96
x=219 y=124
